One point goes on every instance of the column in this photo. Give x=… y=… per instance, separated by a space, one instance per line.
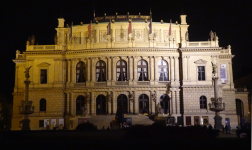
x=130 y=65
x=172 y=68
x=93 y=67
x=88 y=69
x=114 y=103
x=136 y=105
x=73 y=71
x=68 y=104
x=135 y=68
x=31 y=71
x=188 y=68
x=16 y=78
x=173 y=101
x=56 y=71
x=60 y=70
x=63 y=70
x=109 y=104
x=155 y=68
x=93 y=103
x=230 y=74
x=113 y=69
x=109 y=68
x=152 y=68
x=176 y=68
x=69 y=71
x=178 y=101
x=184 y=68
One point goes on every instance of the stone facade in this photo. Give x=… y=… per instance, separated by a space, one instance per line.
x=59 y=84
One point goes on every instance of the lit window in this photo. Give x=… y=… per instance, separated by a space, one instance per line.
x=121 y=70
x=100 y=71
x=162 y=70
x=80 y=72
x=201 y=73
x=43 y=76
x=142 y=70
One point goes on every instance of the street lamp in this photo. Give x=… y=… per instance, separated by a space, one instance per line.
x=216 y=104
x=26 y=107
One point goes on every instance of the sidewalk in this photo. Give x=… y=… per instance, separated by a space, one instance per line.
x=231 y=135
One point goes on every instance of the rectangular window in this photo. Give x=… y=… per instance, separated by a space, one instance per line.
x=43 y=76
x=41 y=123
x=201 y=73
x=188 y=120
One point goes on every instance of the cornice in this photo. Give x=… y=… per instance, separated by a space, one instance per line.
x=209 y=49
x=121 y=49
x=43 y=52
x=226 y=56
x=19 y=60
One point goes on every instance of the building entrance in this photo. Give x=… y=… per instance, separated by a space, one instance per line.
x=143 y=104
x=122 y=103
x=165 y=104
x=100 y=105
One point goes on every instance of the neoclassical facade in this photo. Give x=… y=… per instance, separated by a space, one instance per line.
x=90 y=72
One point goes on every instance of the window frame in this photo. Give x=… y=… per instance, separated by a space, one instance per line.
x=42 y=104
x=102 y=75
x=81 y=76
x=203 y=102
x=41 y=74
x=163 y=66
x=121 y=72
x=201 y=73
x=142 y=72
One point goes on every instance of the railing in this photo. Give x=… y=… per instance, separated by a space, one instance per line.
x=163 y=82
x=199 y=44
x=122 y=83
x=79 y=84
x=100 y=84
x=143 y=83
x=20 y=56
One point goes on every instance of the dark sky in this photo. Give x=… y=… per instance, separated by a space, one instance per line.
x=231 y=20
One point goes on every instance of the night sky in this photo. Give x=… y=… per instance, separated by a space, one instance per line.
x=231 y=20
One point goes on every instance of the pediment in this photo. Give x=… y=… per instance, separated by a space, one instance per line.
x=44 y=64
x=200 y=61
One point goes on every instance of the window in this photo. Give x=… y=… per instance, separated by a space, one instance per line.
x=80 y=72
x=163 y=70
x=42 y=105
x=43 y=76
x=41 y=123
x=100 y=71
x=203 y=102
x=121 y=70
x=80 y=102
x=142 y=70
x=201 y=73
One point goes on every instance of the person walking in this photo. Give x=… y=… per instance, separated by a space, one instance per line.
x=226 y=128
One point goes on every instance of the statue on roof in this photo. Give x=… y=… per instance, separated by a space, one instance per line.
x=32 y=40
x=211 y=34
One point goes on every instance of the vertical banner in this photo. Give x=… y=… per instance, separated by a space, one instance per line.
x=46 y=122
x=223 y=73
x=61 y=123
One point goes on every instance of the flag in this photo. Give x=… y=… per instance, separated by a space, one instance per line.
x=150 y=27
x=170 y=28
x=130 y=27
x=109 y=28
x=89 y=29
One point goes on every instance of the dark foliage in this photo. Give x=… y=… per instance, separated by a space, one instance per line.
x=86 y=127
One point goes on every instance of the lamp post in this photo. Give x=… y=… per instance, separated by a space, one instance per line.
x=216 y=102
x=26 y=107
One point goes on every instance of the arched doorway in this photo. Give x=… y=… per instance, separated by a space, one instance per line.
x=80 y=102
x=165 y=104
x=122 y=102
x=100 y=105
x=240 y=111
x=143 y=104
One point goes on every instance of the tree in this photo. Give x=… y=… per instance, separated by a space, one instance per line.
x=5 y=112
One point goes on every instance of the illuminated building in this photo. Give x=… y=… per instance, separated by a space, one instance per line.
x=102 y=66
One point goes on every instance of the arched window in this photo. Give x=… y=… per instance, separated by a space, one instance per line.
x=203 y=102
x=121 y=70
x=142 y=70
x=80 y=102
x=143 y=104
x=42 y=105
x=80 y=72
x=100 y=71
x=165 y=104
x=163 y=70
x=122 y=103
x=100 y=105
